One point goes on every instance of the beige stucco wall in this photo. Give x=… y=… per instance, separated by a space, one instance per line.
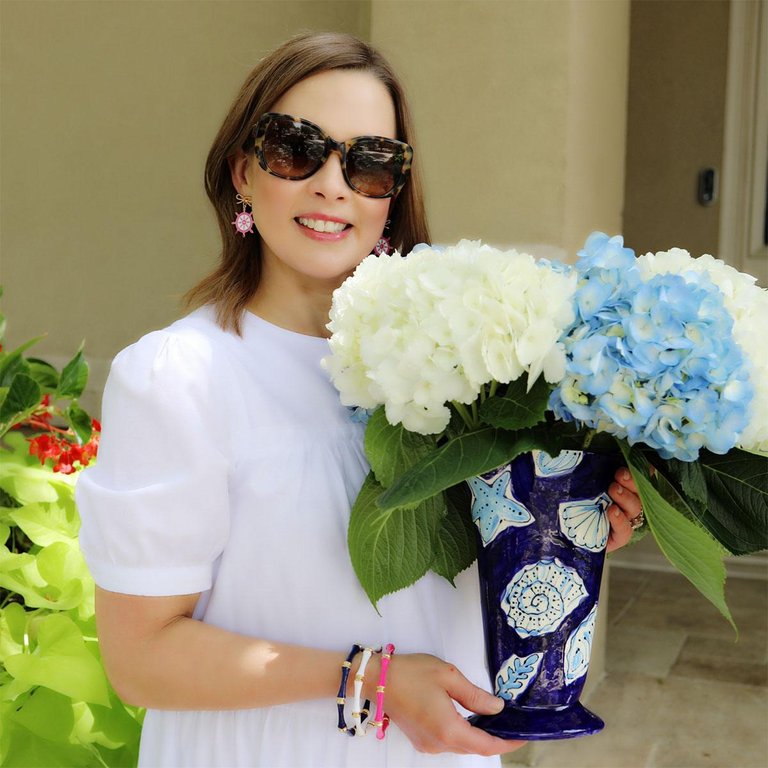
x=108 y=111
x=520 y=110
x=679 y=53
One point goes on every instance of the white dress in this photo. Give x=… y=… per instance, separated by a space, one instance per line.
x=228 y=466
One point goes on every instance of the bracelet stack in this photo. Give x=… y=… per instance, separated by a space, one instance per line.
x=360 y=713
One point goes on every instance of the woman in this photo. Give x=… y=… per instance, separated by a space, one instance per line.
x=215 y=520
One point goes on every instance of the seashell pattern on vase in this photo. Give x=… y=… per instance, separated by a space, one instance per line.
x=585 y=522
x=539 y=583
x=540 y=596
x=578 y=648
x=562 y=464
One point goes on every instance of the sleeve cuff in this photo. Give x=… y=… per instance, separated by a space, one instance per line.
x=152 y=582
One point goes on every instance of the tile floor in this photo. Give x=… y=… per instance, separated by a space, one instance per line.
x=679 y=692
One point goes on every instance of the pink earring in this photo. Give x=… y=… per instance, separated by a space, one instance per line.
x=383 y=245
x=244 y=221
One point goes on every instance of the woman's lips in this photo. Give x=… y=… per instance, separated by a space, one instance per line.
x=322 y=227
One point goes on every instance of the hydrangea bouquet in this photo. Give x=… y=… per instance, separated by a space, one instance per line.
x=468 y=356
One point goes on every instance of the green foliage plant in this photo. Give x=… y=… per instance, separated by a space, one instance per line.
x=57 y=707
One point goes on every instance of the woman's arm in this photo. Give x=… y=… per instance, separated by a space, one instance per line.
x=157 y=656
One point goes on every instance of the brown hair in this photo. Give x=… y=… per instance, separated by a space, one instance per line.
x=232 y=284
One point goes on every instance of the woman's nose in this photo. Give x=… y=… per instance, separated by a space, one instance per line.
x=329 y=180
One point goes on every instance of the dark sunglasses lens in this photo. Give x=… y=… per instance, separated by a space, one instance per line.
x=292 y=150
x=374 y=166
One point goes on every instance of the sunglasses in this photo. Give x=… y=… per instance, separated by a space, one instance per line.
x=294 y=148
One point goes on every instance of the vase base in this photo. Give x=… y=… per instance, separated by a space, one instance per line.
x=540 y=724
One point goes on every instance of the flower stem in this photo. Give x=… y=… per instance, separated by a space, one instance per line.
x=494 y=386
x=588 y=439
x=466 y=416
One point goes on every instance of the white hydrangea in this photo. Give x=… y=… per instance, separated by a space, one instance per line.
x=748 y=305
x=415 y=334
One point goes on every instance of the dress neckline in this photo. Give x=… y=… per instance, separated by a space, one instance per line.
x=277 y=330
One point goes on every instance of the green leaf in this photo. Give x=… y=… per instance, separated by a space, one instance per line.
x=80 y=422
x=13 y=625
x=23 y=749
x=62 y=662
x=392 y=450
x=111 y=726
x=390 y=549
x=686 y=545
x=23 y=395
x=465 y=456
x=74 y=377
x=43 y=373
x=692 y=481
x=13 y=362
x=516 y=408
x=456 y=545
x=11 y=366
x=61 y=563
x=54 y=578
x=737 y=495
x=47 y=714
x=47 y=523
x=30 y=484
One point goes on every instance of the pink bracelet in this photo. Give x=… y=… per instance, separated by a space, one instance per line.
x=381 y=721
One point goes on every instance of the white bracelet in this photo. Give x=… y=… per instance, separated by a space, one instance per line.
x=357 y=710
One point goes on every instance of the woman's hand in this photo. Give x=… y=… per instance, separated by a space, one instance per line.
x=625 y=510
x=419 y=698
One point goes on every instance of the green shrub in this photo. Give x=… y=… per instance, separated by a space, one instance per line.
x=57 y=707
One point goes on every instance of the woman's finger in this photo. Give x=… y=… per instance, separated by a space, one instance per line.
x=624 y=478
x=470 y=696
x=621 y=528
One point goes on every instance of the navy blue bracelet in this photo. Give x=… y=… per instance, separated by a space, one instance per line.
x=341 y=698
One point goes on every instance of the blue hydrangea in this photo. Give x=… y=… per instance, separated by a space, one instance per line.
x=652 y=361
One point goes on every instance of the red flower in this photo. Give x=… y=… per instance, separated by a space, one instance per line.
x=45 y=447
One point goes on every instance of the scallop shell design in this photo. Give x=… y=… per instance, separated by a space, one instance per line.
x=519 y=671
x=565 y=462
x=540 y=596
x=578 y=648
x=494 y=508
x=585 y=522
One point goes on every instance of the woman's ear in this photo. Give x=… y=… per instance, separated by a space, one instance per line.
x=238 y=168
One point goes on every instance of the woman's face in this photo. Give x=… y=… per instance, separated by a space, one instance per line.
x=345 y=104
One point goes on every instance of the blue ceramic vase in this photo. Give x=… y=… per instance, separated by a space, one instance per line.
x=542 y=531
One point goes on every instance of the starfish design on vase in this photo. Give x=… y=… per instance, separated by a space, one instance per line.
x=494 y=509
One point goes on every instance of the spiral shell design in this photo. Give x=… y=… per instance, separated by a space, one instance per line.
x=540 y=596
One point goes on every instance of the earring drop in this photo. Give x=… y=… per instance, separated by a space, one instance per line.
x=243 y=222
x=383 y=245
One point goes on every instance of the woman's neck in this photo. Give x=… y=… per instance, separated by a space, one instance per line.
x=302 y=313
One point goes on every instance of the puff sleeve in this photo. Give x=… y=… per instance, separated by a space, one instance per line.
x=154 y=507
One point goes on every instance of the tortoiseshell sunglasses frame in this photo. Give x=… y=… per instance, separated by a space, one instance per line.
x=331 y=145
